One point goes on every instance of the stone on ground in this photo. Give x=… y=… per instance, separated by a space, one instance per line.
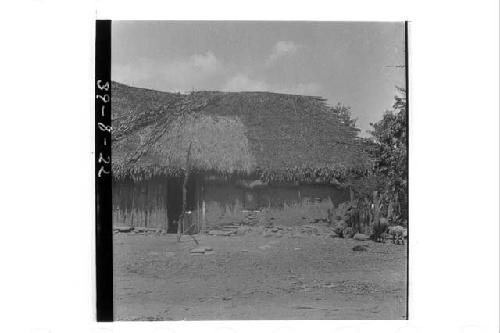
x=221 y=233
x=201 y=250
x=360 y=248
x=124 y=228
x=361 y=237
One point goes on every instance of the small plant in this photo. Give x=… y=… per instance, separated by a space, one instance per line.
x=379 y=230
x=398 y=233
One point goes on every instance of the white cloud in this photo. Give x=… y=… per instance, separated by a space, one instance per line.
x=241 y=82
x=202 y=71
x=310 y=88
x=196 y=65
x=176 y=75
x=282 y=49
x=131 y=74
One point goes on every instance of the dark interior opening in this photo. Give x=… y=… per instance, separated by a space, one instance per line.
x=174 y=200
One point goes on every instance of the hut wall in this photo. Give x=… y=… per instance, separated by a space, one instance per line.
x=153 y=203
x=145 y=203
x=285 y=204
x=140 y=204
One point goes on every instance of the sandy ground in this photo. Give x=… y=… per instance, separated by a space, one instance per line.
x=293 y=274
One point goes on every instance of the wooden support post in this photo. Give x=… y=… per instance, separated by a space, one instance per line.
x=197 y=218
x=203 y=219
x=180 y=224
x=201 y=198
x=165 y=222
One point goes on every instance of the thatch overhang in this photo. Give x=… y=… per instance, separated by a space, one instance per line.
x=274 y=137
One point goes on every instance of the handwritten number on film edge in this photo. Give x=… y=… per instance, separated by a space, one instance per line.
x=102 y=159
x=103 y=127
x=104 y=87
x=101 y=171
x=104 y=98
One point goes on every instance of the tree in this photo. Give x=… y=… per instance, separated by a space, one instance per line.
x=390 y=152
x=387 y=148
x=344 y=114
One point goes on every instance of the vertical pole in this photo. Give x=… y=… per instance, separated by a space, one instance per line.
x=180 y=224
x=203 y=219
x=198 y=205
x=165 y=223
x=202 y=194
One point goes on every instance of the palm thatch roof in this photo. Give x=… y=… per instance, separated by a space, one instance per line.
x=276 y=137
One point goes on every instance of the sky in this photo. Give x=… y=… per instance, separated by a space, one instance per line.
x=347 y=62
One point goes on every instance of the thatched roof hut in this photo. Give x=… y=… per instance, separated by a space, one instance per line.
x=275 y=137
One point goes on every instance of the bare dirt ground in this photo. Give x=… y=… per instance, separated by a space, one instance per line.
x=297 y=273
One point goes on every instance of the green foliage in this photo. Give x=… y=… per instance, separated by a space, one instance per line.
x=390 y=152
x=390 y=136
x=344 y=114
x=387 y=148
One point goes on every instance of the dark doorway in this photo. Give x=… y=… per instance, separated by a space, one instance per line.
x=174 y=200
